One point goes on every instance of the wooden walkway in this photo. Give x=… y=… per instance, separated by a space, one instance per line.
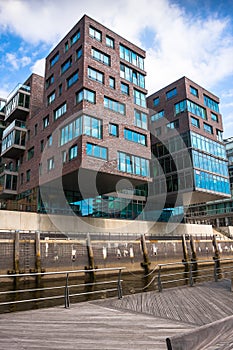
x=137 y=322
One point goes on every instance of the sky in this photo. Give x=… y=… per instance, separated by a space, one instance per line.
x=192 y=38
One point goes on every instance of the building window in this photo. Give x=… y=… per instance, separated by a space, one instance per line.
x=112 y=82
x=173 y=125
x=79 y=53
x=49 y=140
x=203 y=143
x=75 y=38
x=156 y=101
x=63 y=156
x=40 y=168
x=28 y=135
x=140 y=119
x=60 y=89
x=35 y=129
x=21 y=178
x=66 y=46
x=50 y=164
x=96 y=151
x=208 y=128
x=193 y=91
x=134 y=136
x=95 y=34
x=73 y=152
x=66 y=65
x=60 y=111
x=92 y=127
x=158 y=131
x=209 y=102
x=171 y=93
x=30 y=154
x=113 y=129
x=114 y=106
x=28 y=175
x=131 y=57
x=100 y=56
x=54 y=59
x=214 y=117
x=139 y=98
x=110 y=42
x=49 y=81
x=125 y=88
x=72 y=79
x=132 y=75
x=131 y=164
x=157 y=116
x=51 y=98
x=41 y=145
x=85 y=95
x=195 y=122
x=95 y=75
x=219 y=134
x=191 y=107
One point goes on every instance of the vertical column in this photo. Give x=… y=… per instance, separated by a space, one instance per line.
x=16 y=252
x=37 y=249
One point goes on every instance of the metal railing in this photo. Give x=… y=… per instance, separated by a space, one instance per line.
x=192 y=271
x=67 y=287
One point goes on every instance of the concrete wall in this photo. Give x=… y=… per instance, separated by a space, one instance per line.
x=10 y=220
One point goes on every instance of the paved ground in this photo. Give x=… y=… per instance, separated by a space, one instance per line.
x=140 y=321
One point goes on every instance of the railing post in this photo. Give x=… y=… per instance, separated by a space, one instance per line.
x=66 y=296
x=216 y=269
x=160 y=287
x=191 y=274
x=119 y=285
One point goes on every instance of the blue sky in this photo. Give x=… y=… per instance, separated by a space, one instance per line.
x=182 y=37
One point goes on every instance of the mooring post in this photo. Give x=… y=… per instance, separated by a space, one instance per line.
x=185 y=258
x=216 y=257
x=38 y=256
x=90 y=255
x=146 y=262
x=193 y=264
x=16 y=253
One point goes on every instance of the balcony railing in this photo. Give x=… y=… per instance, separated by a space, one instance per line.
x=17 y=105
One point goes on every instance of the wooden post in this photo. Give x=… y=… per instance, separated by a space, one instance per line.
x=185 y=258
x=216 y=257
x=38 y=255
x=16 y=252
x=91 y=262
x=194 y=257
x=146 y=262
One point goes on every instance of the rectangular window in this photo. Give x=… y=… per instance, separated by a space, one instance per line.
x=131 y=57
x=30 y=153
x=73 y=152
x=50 y=164
x=113 y=130
x=45 y=122
x=54 y=59
x=72 y=79
x=51 y=98
x=85 y=95
x=156 y=101
x=134 y=136
x=28 y=175
x=131 y=164
x=114 y=105
x=92 y=127
x=112 y=82
x=209 y=102
x=125 y=88
x=193 y=91
x=96 y=151
x=191 y=107
x=139 y=98
x=95 y=34
x=219 y=134
x=66 y=65
x=41 y=145
x=49 y=141
x=100 y=56
x=140 y=119
x=66 y=46
x=79 y=53
x=173 y=125
x=195 y=122
x=208 y=128
x=214 y=117
x=75 y=38
x=157 y=116
x=109 y=42
x=132 y=75
x=95 y=75
x=60 y=111
x=63 y=157
x=171 y=93
x=35 y=129
x=49 y=81
x=60 y=89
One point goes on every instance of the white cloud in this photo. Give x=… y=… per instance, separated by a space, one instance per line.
x=183 y=43
x=17 y=62
x=39 y=67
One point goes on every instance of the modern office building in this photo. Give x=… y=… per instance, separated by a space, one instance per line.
x=219 y=212
x=78 y=139
x=189 y=163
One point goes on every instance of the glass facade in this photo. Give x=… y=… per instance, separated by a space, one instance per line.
x=191 y=107
x=134 y=136
x=140 y=119
x=131 y=57
x=96 y=151
x=131 y=164
x=115 y=106
x=210 y=182
x=132 y=75
x=203 y=143
x=209 y=102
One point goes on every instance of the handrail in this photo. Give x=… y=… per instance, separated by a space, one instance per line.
x=67 y=286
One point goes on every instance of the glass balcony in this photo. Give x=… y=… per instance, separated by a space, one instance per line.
x=13 y=139
x=8 y=182
x=18 y=102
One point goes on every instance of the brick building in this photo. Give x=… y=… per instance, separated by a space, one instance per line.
x=73 y=138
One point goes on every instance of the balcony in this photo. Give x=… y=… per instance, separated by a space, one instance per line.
x=17 y=104
x=8 y=182
x=2 y=108
x=13 y=139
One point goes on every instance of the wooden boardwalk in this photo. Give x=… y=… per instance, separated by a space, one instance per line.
x=140 y=321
